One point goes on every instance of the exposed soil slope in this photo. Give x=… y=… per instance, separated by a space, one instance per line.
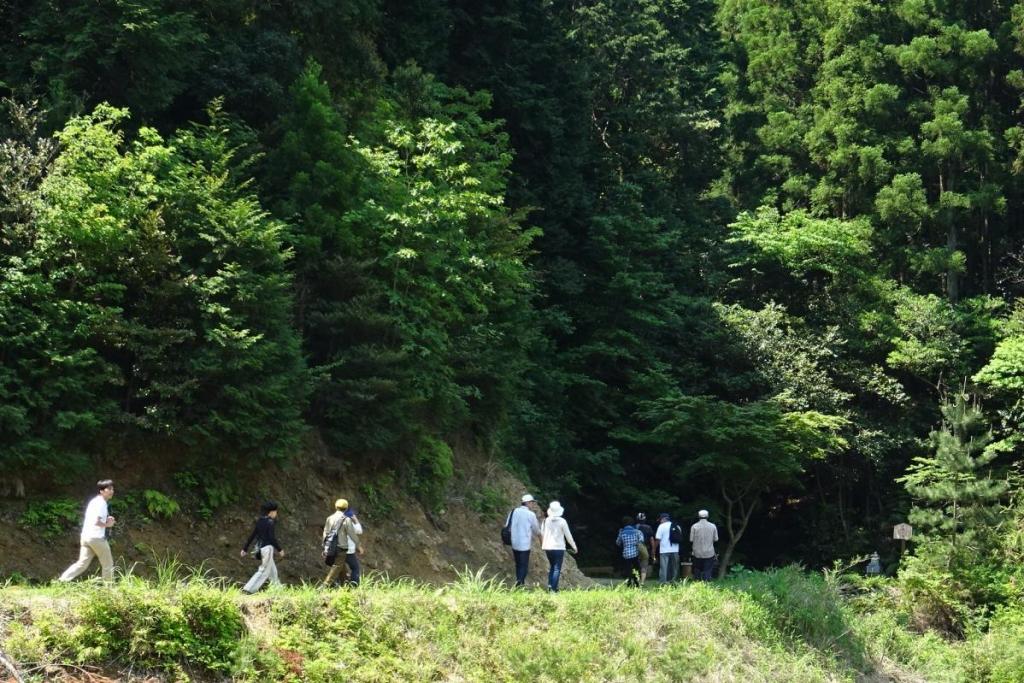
x=407 y=540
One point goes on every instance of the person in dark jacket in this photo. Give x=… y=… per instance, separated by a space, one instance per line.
x=266 y=545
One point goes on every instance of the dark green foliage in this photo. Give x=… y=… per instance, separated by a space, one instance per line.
x=657 y=253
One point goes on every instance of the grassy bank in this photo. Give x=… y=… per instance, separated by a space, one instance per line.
x=778 y=626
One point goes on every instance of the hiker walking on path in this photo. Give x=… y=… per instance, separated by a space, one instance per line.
x=703 y=535
x=266 y=544
x=355 y=549
x=630 y=539
x=669 y=537
x=523 y=526
x=93 y=539
x=555 y=534
x=341 y=531
x=647 y=552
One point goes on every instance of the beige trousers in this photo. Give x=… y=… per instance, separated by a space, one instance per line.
x=90 y=549
x=267 y=570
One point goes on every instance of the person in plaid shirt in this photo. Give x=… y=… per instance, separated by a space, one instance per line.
x=629 y=538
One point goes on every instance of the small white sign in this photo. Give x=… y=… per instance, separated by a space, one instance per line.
x=903 y=532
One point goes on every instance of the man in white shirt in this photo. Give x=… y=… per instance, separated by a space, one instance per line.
x=668 y=551
x=524 y=526
x=94 y=535
x=703 y=535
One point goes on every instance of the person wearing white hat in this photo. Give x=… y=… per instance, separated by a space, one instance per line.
x=555 y=534
x=703 y=535
x=524 y=526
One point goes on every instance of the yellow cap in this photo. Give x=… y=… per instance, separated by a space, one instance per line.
x=341 y=504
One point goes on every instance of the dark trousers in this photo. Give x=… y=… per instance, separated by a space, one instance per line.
x=555 y=558
x=354 y=570
x=703 y=567
x=522 y=558
x=633 y=571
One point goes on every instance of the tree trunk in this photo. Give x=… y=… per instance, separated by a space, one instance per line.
x=736 y=505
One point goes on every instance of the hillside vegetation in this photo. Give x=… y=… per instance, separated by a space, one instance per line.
x=761 y=257
x=779 y=626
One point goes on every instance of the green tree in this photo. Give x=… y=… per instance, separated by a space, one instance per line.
x=957 y=514
x=54 y=387
x=742 y=450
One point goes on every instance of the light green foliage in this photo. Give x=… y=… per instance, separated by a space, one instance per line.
x=378 y=495
x=928 y=344
x=210 y=488
x=793 y=366
x=486 y=500
x=184 y=628
x=52 y=518
x=160 y=506
x=779 y=625
x=804 y=245
x=163 y=290
x=431 y=469
x=957 y=516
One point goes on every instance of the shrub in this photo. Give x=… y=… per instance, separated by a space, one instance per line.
x=51 y=518
x=160 y=506
x=431 y=469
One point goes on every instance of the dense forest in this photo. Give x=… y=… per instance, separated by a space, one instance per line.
x=761 y=257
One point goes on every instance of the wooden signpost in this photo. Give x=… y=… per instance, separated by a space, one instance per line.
x=903 y=532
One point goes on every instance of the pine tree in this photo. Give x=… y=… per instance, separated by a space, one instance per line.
x=956 y=491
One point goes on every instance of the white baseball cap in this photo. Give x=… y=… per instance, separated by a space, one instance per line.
x=527 y=498
x=703 y=514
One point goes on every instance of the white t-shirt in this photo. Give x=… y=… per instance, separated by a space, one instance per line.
x=663 y=535
x=96 y=510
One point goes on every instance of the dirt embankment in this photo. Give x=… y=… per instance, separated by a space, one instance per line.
x=402 y=538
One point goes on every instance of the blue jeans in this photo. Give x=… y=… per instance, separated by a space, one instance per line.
x=354 y=570
x=555 y=558
x=703 y=567
x=522 y=558
x=668 y=567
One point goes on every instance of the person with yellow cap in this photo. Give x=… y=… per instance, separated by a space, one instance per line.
x=341 y=531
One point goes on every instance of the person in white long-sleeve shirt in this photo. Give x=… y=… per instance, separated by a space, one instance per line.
x=555 y=534
x=93 y=540
x=524 y=526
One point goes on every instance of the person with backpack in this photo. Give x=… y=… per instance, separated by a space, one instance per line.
x=669 y=536
x=703 y=536
x=341 y=531
x=522 y=526
x=630 y=539
x=555 y=533
x=266 y=546
x=647 y=551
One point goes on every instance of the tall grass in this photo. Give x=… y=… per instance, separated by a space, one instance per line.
x=774 y=626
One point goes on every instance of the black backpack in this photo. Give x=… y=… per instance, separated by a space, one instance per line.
x=506 y=531
x=331 y=543
x=675 y=534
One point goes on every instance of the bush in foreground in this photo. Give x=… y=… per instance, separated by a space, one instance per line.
x=781 y=625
